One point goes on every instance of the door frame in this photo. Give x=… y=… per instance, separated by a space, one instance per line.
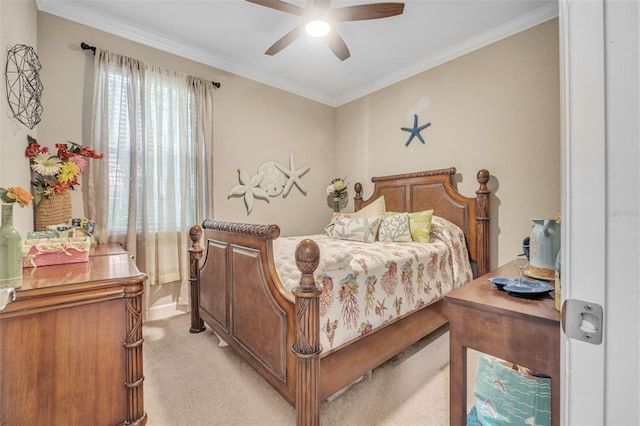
x=583 y=201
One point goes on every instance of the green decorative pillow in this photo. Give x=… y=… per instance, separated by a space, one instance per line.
x=420 y=225
x=362 y=229
x=395 y=228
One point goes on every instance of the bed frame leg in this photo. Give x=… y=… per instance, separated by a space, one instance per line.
x=195 y=254
x=307 y=339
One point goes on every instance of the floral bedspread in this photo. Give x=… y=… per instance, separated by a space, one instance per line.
x=365 y=285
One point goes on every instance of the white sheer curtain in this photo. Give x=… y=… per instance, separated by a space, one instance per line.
x=154 y=127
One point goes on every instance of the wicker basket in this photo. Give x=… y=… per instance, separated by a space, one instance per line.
x=53 y=210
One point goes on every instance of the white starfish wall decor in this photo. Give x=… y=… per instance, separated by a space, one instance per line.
x=272 y=180
x=249 y=188
x=293 y=175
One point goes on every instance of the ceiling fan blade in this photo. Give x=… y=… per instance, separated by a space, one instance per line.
x=337 y=45
x=367 y=11
x=285 y=40
x=280 y=5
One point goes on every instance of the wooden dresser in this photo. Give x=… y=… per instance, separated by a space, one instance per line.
x=71 y=344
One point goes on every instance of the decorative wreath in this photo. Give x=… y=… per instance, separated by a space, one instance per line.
x=24 y=88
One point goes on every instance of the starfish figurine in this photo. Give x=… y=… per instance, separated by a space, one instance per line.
x=415 y=131
x=294 y=176
x=249 y=188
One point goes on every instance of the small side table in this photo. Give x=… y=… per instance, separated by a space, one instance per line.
x=518 y=330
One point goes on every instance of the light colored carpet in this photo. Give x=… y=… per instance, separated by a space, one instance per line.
x=190 y=380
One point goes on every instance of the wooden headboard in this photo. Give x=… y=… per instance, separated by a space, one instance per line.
x=433 y=189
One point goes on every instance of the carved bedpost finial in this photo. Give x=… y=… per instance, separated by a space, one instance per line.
x=483 y=192
x=483 y=178
x=358 y=188
x=307 y=260
x=357 y=200
x=195 y=233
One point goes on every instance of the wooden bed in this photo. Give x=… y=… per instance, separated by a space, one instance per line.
x=237 y=285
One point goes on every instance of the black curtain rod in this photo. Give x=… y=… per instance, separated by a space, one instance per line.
x=86 y=46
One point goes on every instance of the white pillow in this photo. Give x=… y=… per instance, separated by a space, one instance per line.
x=395 y=228
x=362 y=229
x=329 y=228
x=375 y=209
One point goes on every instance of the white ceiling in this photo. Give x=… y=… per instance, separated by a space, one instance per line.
x=233 y=35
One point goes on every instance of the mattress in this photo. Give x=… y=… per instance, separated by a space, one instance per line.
x=366 y=285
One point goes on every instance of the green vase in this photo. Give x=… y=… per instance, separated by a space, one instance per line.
x=10 y=251
x=336 y=204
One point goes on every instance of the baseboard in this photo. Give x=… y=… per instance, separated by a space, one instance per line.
x=165 y=311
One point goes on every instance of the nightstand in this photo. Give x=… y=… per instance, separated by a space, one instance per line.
x=519 y=330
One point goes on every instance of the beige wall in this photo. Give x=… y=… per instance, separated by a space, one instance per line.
x=17 y=26
x=496 y=108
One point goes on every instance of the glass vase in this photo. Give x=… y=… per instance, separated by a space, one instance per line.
x=336 y=204
x=10 y=251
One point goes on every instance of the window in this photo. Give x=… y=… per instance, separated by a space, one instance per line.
x=154 y=126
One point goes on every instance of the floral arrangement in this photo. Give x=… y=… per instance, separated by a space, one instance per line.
x=59 y=173
x=16 y=194
x=337 y=188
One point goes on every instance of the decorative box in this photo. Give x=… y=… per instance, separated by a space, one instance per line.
x=55 y=251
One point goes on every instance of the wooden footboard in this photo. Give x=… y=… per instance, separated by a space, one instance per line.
x=237 y=292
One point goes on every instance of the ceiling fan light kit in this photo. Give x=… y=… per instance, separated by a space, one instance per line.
x=318 y=28
x=318 y=16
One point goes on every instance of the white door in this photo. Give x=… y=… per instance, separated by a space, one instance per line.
x=600 y=206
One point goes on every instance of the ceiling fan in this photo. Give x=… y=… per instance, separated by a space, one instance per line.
x=319 y=17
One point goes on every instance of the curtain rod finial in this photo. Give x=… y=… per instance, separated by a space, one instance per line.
x=85 y=46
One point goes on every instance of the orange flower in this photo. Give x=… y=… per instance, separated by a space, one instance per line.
x=23 y=197
x=16 y=194
x=88 y=152
x=60 y=187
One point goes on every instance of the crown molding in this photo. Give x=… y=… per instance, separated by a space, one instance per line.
x=77 y=13
x=509 y=28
